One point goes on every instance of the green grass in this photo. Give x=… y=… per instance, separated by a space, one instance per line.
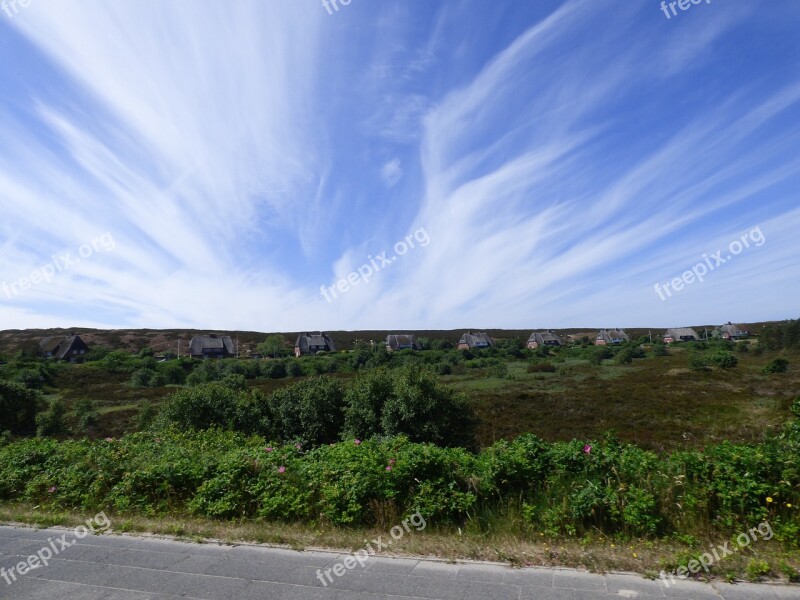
x=657 y=402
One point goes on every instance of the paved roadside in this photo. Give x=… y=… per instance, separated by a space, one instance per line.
x=134 y=568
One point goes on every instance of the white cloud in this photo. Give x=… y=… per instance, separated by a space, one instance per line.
x=392 y=172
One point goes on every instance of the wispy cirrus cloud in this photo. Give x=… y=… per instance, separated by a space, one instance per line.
x=561 y=156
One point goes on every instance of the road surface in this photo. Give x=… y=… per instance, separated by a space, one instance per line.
x=113 y=567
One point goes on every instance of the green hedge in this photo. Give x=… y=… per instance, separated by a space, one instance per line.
x=563 y=488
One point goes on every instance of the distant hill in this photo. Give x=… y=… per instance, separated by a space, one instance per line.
x=163 y=340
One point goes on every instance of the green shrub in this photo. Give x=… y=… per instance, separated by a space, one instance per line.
x=18 y=407
x=215 y=405
x=51 y=421
x=600 y=353
x=146 y=417
x=206 y=371
x=365 y=399
x=119 y=361
x=519 y=466
x=697 y=361
x=86 y=413
x=625 y=356
x=310 y=411
x=573 y=488
x=148 y=378
x=274 y=346
x=723 y=359
x=443 y=368
x=294 y=368
x=173 y=373
x=273 y=369
x=408 y=402
x=31 y=378
x=778 y=365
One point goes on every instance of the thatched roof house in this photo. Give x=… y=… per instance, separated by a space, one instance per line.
x=311 y=343
x=475 y=340
x=680 y=334
x=398 y=341
x=212 y=346
x=610 y=337
x=543 y=338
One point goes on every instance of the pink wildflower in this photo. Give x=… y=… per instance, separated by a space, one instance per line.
x=357 y=442
x=281 y=469
x=587 y=449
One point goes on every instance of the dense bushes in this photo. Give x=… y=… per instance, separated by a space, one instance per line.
x=319 y=411
x=310 y=412
x=17 y=408
x=408 y=402
x=570 y=488
x=217 y=405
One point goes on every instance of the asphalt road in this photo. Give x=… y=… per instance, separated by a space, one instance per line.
x=113 y=567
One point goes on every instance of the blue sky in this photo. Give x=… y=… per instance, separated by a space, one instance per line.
x=214 y=164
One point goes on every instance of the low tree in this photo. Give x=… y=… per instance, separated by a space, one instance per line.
x=310 y=411
x=427 y=411
x=274 y=346
x=202 y=407
x=51 y=421
x=18 y=407
x=408 y=402
x=86 y=413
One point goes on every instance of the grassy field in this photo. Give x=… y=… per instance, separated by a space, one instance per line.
x=656 y=402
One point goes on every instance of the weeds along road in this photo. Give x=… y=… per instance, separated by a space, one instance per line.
x=112 y=567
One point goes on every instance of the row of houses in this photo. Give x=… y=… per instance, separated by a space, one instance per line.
x=607 y=337
x=73 y=349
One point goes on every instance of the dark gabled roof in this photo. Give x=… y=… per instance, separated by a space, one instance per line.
x=543 y=337
x=476 y=339
x=59 y=347
x=402 y=341
x=50 y=344
x=318 y=339
x=677 y=333
x=201 y=343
